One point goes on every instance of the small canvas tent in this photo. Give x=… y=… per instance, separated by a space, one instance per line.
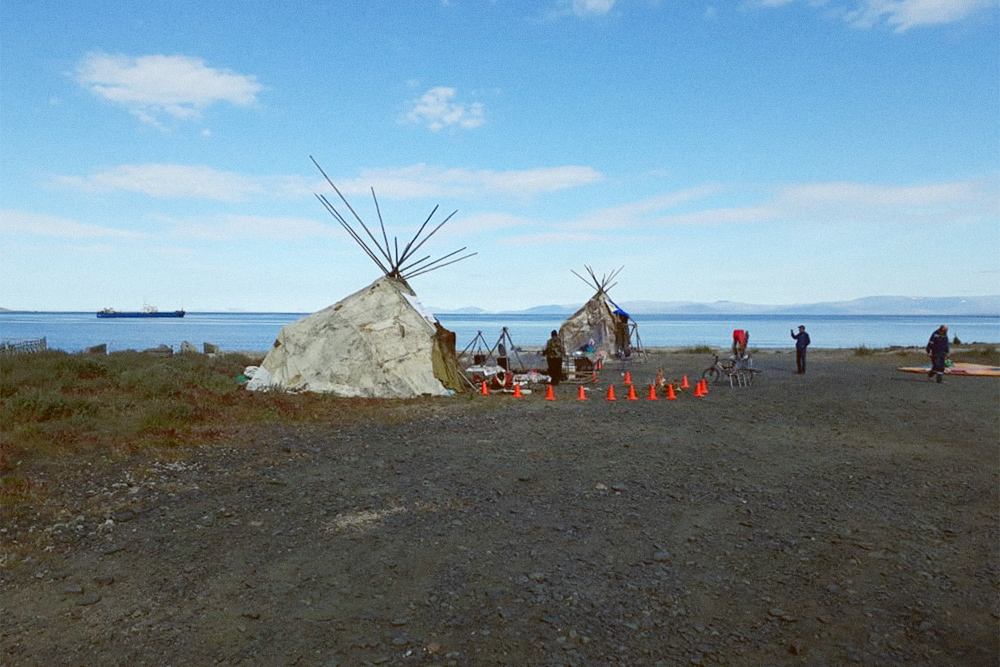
x=379 y=342
x=600 y=327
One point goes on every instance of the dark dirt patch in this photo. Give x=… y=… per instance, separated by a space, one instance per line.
x=847 y=516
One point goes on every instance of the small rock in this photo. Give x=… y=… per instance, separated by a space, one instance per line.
x=74 y=589
x=661 y=556
x=104 y=581
x=89 y=599
x=108 y=549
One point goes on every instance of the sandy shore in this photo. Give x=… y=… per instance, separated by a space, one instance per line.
x=844 y=516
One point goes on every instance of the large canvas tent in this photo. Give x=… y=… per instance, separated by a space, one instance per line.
x=600 y=327
x=379 y=342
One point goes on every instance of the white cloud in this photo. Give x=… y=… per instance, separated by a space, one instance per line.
x=906 y=14
x=851 y=203
x=486 y=223
x=814 y=203
x=954 y=203
x=155 y=86
x=24 y=223
x=553 y=238
x=592 y=7
x=899 y=14
x=437 y=110
x=243 y=227
x=171 y=181
x=168 y=181
x=424 y=181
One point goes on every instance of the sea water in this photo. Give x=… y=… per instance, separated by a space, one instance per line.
x=255 y=332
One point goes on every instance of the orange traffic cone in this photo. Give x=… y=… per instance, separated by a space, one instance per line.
x=704 y=387
x=550 y=394
x=593 y=376
x=671 y=396
x=697 y=390
x=684 y=383
x=517 y=390
x=611 y=393
x=628 y=378
x=484 y=390
x=581 y=395
x=652 y=393
x=631 y=393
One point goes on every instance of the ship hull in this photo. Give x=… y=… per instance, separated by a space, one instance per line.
x=176 y=313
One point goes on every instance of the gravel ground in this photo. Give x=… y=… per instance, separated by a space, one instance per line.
x=846 y=516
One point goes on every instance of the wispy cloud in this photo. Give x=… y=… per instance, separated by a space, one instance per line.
x=592 y=7
x=828 y=204
x=24 y=223
x=437 y=109
x=170 y=181
x=426 y=181
x=952 y=203
x=905 y=14
x=898 y=14
x=201 y=228
x=156 y=86
x=248 y=227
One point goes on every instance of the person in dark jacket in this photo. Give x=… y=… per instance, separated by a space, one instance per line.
x=937 y=350
x=554 y=353
x=801 y=343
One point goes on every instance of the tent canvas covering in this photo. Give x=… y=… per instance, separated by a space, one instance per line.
x=600 y=326
x=379 y=342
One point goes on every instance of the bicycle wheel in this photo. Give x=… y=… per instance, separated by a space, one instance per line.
x=711 y=374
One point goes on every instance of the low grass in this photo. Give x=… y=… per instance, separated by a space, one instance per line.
x=977 y=353
x=55 y=405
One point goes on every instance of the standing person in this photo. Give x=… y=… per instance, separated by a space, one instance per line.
x=801 y=343
x=937 y=350
x=554 y=353
x=741 y=338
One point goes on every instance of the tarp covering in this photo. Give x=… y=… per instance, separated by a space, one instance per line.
x=375 y=343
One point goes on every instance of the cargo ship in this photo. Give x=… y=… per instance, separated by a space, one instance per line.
x=147 y=311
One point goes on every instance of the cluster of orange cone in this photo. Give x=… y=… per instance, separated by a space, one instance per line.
x=700 y=390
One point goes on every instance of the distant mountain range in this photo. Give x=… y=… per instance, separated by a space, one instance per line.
x=869 y=305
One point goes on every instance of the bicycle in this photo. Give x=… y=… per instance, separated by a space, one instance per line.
x=740 y=370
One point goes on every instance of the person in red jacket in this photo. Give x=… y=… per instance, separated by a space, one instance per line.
x=741 y=338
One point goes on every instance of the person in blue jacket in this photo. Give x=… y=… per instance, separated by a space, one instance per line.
x=801 y=343
x=937 y=350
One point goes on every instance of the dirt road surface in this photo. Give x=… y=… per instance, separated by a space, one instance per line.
x=846 y=516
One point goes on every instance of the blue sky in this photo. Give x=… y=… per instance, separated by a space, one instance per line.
x=766 y=151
